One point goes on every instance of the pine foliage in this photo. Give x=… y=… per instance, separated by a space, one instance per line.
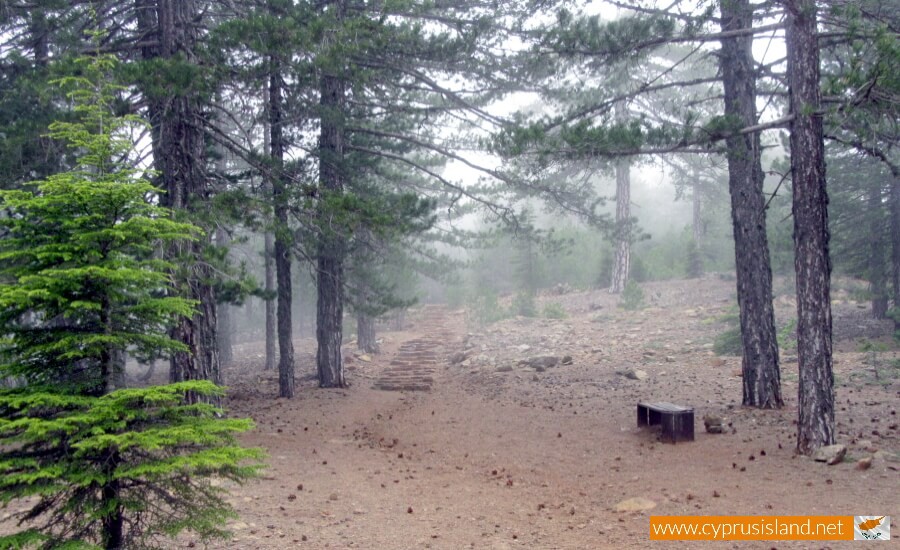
x=81 y=281
x=80 y=277
x=160 y=450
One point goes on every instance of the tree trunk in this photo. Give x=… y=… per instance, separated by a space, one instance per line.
x=812 y=264
x=226 y=322
x=622 y=263
x=282 y=233
x=113 y=519
x=696 y=217
x=761 y=375
x=40 y=37
x=331 y=246
x=895 y=248
x=876 y=259
x=271 y=328
x=365 y=333
x=179 y=153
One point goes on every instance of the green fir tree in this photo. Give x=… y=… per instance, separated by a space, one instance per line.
x=81 y=282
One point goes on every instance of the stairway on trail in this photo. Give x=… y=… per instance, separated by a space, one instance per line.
x=414 y=366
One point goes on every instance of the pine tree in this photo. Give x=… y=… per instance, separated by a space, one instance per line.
x=80 y=275
x=80 y=284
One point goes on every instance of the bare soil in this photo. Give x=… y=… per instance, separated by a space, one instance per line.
x=500 y=455
x=497 y=454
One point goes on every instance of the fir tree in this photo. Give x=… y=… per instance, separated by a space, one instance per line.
x=118 y=469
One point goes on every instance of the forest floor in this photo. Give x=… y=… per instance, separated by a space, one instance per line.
x=499 y=454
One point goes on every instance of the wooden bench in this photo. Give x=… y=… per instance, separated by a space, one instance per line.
x=677 y=422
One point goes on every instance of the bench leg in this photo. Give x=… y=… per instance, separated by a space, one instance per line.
x=642 y=416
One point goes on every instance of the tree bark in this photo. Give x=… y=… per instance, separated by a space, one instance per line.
x=697 y=214
x=179 y=153
x=40 y=37
x=282 y=232
x=622 y=263
x=331 y=246
x=895 y=248
x=114 y=519
x=365 y=333
x=876 y=260
x=761 y=375
x=271 y=320
x=225 y=329
x=812 y=264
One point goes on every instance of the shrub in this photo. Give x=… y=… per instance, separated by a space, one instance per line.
x=632 y=297
x=554 y=310
x=485 y=309
x=729 y=342
x=524 y=305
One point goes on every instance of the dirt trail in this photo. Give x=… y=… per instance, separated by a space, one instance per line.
x=500 y=455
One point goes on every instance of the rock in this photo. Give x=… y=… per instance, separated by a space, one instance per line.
x=457 y=357
x=718 y=362
x=738 y=373
x=633 y=374
x=545 y=361
x=867 y=446
x=670 y=359
x=504 y=368
x=713 y=423
x=522 y=348
x=864 y=463
x=333 y=496
x=365 y=358
x=830 y=454
x=566 y=360
x=636 y=504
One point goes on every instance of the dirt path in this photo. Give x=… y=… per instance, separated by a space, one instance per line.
x=500 y=455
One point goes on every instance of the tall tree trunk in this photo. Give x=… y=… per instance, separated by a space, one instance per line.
x=622 y=263
x=876 y=260
x=812 y=264
x=271 y=328
x=895 y=248
x=40 y=36
x=761 y=375
x=331 y=246
x=697 y=213
x=282 y=232
x=225 y=330
x=179 y=153
x=365 y=333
